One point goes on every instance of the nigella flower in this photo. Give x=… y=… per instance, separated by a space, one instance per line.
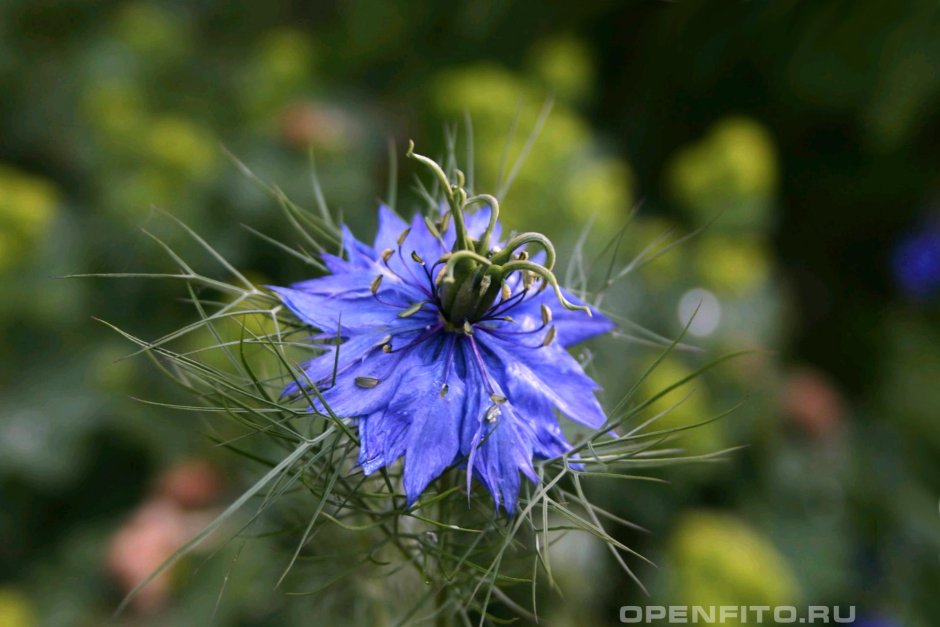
x=453 y=346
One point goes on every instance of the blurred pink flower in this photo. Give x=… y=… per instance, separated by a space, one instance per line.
x=174 y=513
x=813 y=403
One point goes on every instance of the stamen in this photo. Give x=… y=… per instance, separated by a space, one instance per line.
x=431 y=285
x=367 y=382
x=487 y=383
x=528 y=279
x=506 y=334
x=448 y=361
x=505 y=291
x=431 y=330
x=403 y=236
x=413 y=309
x=550 y=336
x=414 y=280
x=506 y=305
x=374 y=288
x=492 y=413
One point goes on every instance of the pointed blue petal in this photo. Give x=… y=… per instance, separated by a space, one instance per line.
x=423 y=242
x=434 y=436
x=549 y=371
x=504 y=450
x=358 y=253
x=337 y=265
x=352 y=310
x=498 y=451
x=391 y=226
x=381 y=440
x=354 y=393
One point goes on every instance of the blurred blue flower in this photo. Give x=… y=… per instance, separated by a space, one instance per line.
x=917 y=263
x=477 y=391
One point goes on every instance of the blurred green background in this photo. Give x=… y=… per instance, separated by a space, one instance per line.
x=807 y=131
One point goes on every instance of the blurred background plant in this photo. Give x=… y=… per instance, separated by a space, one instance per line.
x=803 y=135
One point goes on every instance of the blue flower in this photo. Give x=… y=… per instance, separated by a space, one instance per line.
x=447 y=357
x=916 y=263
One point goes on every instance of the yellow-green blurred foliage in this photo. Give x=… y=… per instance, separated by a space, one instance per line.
x=732 y=171
x=732 y=264
x=565 y=178
x=716 y=559
x=27 y=207
x=154 y=157
x=280 y=68
x=116 y=110
x=564 y=65
x=152 y=31
x=645 y=234
x=15 y=609
x=694 y=408
x=181 y=146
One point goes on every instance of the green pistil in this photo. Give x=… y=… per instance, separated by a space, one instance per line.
x=474 y=276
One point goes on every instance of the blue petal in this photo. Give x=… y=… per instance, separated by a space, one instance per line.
x=573 y=327
x=504 y=450
x=350 y=397
x=353 y=309
x=549 y=371
x=417 y=422
x=360 y=255
x=550 y=441
x=382 y=440
x=434 y=436
x=390 y=229
x=320 y=369
x=496 y=452
x=338 y=265
x=423 y=242
x=476 y=399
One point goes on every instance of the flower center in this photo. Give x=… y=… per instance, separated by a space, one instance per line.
x=475 y=275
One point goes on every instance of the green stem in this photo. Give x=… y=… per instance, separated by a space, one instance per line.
x=527 y=238
x=484 y=245
x=459 y=256
x=549 y=278
x=456 y=196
